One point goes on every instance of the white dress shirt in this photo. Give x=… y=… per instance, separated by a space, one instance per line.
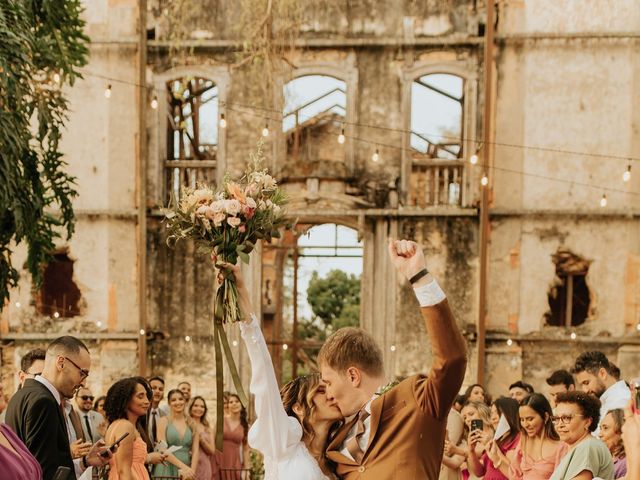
x=363 y=441
x=616 y=396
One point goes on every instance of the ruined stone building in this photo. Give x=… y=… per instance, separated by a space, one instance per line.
x=381 y=139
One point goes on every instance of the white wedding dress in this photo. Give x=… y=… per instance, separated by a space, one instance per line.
x=275 y=434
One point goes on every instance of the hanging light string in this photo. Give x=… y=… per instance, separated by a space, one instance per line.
x=394 y=129
x=377 y=144
x=484 y=181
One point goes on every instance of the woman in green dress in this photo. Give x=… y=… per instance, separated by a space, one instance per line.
x=175 y=430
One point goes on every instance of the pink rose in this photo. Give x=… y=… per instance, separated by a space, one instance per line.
x=242 y=228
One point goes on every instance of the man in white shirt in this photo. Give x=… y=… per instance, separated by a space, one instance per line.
x=595 y=375
x=90 y=419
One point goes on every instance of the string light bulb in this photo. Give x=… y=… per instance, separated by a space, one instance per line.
x=99 y=324
x=234 y=343
x=484 y=180
x=626 y=176
x=285 y=346
x=223 y=121
x=573 y=335
x=265 y=130
x=376 y=156
x=154 y=102
x=392 y=348
x=603 y=200
x=473 y=159
x=18 y=304
x=341 y=137
x=142 y=332
x=509 y=342
x=56 y=315
x=107 y=92
x=187 y=338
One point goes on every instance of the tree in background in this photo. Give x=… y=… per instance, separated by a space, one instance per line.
x=335 y=300
x=42 y=47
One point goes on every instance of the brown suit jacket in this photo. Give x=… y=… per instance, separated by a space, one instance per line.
x=408 y=422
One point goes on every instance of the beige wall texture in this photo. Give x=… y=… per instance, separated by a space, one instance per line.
x=567 y=79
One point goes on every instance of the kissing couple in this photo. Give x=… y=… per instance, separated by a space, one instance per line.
x=347 y=422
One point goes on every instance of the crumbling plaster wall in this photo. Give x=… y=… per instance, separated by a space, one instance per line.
x=100 y=149
x=561 y=92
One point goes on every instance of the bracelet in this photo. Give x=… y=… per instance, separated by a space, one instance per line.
x=422 y=273
x=84 y=462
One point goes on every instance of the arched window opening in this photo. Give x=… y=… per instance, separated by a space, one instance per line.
x=437 y=126
x=192 y=133
x=315 y=109
x=310 y=288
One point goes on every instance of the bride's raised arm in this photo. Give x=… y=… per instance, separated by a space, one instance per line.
x=273 y=430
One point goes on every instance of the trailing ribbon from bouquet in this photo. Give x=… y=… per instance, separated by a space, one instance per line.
x=226 y=223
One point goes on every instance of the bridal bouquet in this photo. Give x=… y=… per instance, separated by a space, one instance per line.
x=226 y=223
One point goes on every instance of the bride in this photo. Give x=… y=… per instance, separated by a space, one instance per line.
x=293 y=427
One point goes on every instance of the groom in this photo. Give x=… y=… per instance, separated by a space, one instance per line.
x=397 y=432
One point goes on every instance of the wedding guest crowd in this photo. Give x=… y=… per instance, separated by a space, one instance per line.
x=583 y=426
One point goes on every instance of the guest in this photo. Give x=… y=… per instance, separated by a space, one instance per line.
x=31 y=364
x=519 y=390
x=458 y=403
x=198 y=413
x=451 y=462
x=35 y=415
x=611 y=435
x=91 y=420
x=235 y=449
x=496 y=450
x=473 y=411
x=560 y=381
x=98 y=405
x=475 y=393
x=175 y=430
x=126 y=406
x=15 y=459
x=595 y=376
x=576 y=417
x=539 y=450
x=185 y=388
x=155 y=412
x=631 y=439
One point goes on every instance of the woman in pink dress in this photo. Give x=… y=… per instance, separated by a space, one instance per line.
x=540 y=449
x=198 y=413
x=126 y=406
x=16 y=461
x=485 y=467
x=235 y=449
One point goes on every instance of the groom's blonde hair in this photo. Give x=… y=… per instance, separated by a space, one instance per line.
x=352 y=347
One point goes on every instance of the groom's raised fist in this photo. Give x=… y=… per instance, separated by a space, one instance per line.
x=406 y=256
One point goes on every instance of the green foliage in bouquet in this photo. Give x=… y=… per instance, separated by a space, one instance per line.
x=227 y=223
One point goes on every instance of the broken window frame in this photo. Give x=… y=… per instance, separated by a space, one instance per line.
x=279 y=337
x=423 y=179
x=569 y=267
x=190 y=162
x=48 y=303
x=293 y=134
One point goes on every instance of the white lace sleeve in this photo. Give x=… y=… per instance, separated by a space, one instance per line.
x=273 y=432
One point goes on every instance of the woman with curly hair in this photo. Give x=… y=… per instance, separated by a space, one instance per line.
x=293 y=427
x=576 y=417
x=175 y=430
x=611 y=435
x=126 y=407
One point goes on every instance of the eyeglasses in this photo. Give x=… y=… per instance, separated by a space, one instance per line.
x=84 y=373
x=565 y=419
x=86 y=397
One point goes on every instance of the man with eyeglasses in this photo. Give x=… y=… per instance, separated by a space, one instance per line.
x=36 y=412
x=31 y=364
x=90 y=419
